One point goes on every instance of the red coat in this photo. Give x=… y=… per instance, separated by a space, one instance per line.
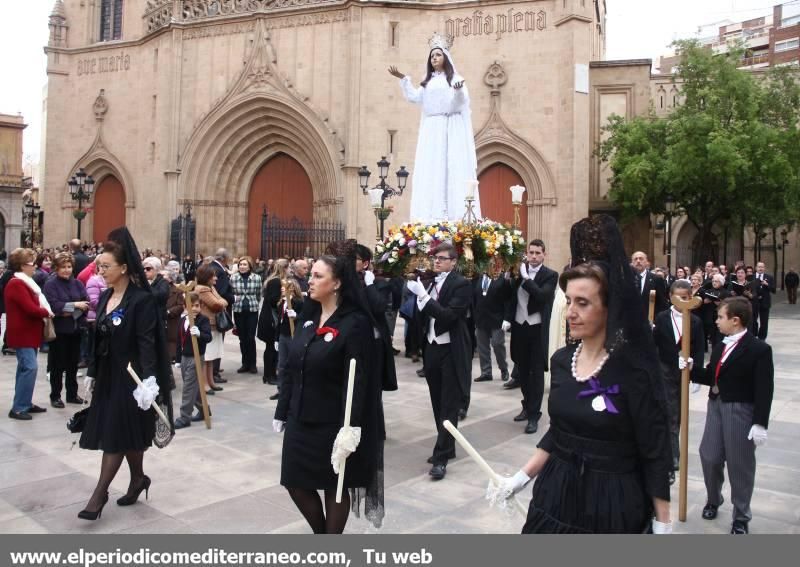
x=24 y=316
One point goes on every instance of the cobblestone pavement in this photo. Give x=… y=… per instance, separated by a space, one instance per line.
x=225 y=480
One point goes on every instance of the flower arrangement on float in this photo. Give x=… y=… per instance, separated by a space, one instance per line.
x=484 y=246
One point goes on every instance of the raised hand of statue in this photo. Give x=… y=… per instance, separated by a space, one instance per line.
x=458 y=85
x=393 y=70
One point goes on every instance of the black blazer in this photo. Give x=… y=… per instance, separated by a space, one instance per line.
x=668 y=349
x=379 y=298
x=541 y=293
x=652 y=282
x=185 y=346
x=746 y=376
x=315 y=389
x=488 y=311
x=223 y=284
x=765 y=291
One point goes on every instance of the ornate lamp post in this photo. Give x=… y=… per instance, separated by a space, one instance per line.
x=669 y=203
x=30 y=212
x=81 y=187
x=382 y=191
x=516 y=200
x=784 y=242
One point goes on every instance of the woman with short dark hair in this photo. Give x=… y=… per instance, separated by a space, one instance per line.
x=246 y=285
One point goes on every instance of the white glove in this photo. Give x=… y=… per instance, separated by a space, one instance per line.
x=278 y=425
x=276 y=346
x=369 y=278
x=758 y=435
x=346 y=442
x=88 y=385
x=194 y=330
x=499 y=494
x=684 y=362
x=291 y=313
x=694 y=388
x=661 y=528
x=523 y=271
x=146 y=392
x=506 y=326
x=417 y=288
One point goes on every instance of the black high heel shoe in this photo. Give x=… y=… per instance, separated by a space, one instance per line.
x=128 y=500
x=87 y=515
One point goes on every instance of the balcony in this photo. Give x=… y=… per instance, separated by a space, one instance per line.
x=755 y=60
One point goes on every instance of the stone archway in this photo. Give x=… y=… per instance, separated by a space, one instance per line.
x=108 y=208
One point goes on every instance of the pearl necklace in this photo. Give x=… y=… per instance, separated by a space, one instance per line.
x=575 y=365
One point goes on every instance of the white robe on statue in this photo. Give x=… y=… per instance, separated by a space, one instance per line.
x=445 y=157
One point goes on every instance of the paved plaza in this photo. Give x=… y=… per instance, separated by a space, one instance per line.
x=226 y=480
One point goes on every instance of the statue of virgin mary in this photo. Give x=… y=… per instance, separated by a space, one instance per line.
x=445 y=158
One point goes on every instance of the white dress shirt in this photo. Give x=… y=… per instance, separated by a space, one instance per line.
x=521 y=316
x=730 y=342
x=433 y=293
x=677 y=323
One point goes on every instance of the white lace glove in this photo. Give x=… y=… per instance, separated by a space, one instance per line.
x=88 y=385
x=346 y=442
x=523 y=271
x=146 y=392
x=291 y=313
x=694 y=388
x=661 y=528
x=684 y=362
x=276 y=346
x=369 y=278
x=506 y=326
x=416 y=288
x=758 y=435
x=194 y=330
x=278 y=425
x=499 y=494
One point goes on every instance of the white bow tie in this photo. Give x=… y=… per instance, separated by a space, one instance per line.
x=441 y=277
x=729 y=340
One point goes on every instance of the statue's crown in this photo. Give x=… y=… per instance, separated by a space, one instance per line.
x=440 y=41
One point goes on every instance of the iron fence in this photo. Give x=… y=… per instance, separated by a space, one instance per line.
x=293 y=238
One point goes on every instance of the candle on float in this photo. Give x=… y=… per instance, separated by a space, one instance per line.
x=472 y=189
x=516 y=194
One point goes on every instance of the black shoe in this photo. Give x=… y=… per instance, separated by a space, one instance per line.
x=21 y=415
x=252 y=370
x=220 y=380
x=217 y=388
x=128 y=500
x=421 y=373
x=437 y=472
x=36 y=409
x=396 y=351
x=504 y=376
x=414 y=358
x=180 y=424
x=272 y=381
x=511 y=384
x=532 y=427
x=521 y=416
x=462 y=413
x=75 y=400
x=9 y=351
x=275 y=396
x=57 y=403
x=739 y=528
x=210 y=392
x=87 y=515
x=483 y=378
x=429 y=460
x=709 y=511
x=241 y=370
x=199 y=416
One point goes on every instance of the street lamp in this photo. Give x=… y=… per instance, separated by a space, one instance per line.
x=382 y=191
x=669 y=204
x=30 y=212
x=784 y=242
x=81 y=187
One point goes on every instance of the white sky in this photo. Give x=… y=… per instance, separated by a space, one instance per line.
x=636 y=29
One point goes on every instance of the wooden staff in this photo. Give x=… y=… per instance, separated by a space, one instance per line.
x=472 y=452
x=651 y=314
x=685 y=307
x=348 y=407
x=198 y=364
x=153 y=405
x=289 y=295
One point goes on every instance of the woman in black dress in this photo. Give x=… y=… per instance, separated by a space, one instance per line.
x=129 y=330
x=312 y=400
x=603 y=466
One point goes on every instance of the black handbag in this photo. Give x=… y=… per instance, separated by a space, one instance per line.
x=78 y=421
x=224 y=322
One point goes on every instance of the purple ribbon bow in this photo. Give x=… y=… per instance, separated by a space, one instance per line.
x=597 y=390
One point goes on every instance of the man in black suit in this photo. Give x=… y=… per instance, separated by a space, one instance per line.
x=489 y=298
x=765 y=290
x=443 y=309
x=528 y=312
x=223 y=286
x=81 y=260
x=647 y=281
x=741 y=375
x=667 y=334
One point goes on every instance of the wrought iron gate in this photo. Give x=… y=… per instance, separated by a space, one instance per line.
x=292 y=238
x=183 y=232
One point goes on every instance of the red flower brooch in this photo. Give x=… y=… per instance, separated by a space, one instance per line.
x=329 y=333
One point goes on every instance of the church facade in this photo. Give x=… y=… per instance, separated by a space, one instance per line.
x=254 y=110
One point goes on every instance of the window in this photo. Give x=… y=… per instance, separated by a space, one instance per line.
x=110 y=20
x=787 y=45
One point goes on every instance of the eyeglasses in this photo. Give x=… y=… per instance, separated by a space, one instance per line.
x=441 y=258
x=29 y=264
x=104 y=267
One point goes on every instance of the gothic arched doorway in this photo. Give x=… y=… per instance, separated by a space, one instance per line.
x=109 y=208
x=284 y=188
x=495 y=196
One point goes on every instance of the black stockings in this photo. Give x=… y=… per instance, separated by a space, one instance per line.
x=108 y=470
x=310 y=505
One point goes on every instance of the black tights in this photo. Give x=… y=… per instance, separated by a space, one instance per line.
x=310 y=505
x=108 y=470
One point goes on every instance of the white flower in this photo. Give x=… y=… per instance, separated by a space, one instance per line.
x=426 y=237
x=402 y=242
x=438 y=235
x=392 y=260
x=380 y=248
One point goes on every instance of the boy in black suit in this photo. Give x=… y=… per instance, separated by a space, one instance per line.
x=667 y=334
x=185 y=353
x=740 y=374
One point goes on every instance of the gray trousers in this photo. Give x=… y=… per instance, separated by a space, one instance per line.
x=725 y=441
x=672 y=385
x=496 y=339
x=191 y=392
